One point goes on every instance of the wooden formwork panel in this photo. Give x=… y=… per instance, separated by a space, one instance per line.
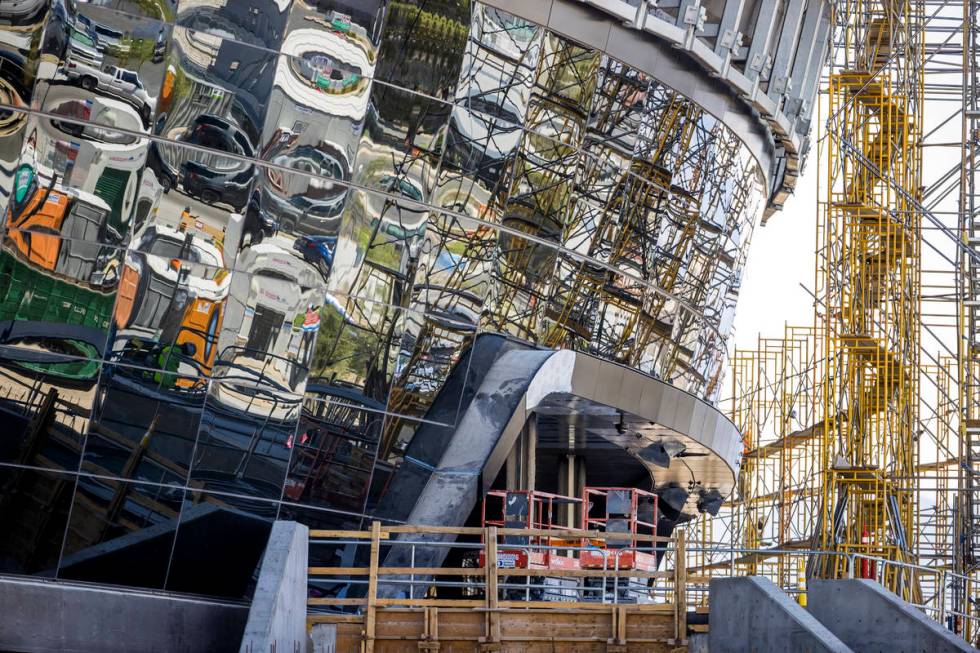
x=450 y=630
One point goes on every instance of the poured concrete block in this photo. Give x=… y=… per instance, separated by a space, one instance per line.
x=869 y=618
x=277 y=619
x=752 y=614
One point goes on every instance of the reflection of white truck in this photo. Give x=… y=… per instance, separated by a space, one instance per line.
x=120 y=82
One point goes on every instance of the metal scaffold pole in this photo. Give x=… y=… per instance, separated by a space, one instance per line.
x=868 y=253
x=967 y=542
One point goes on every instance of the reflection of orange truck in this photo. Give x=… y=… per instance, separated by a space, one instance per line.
x=161 y=282
x=47 y=217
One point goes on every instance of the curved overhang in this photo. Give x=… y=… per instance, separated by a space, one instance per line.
x=764 y=91
x=634 y=412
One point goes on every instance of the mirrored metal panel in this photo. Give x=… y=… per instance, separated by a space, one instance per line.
x=248 y=249
x=199 y=567
x=422 y=46
x=35 y=506
x=120 y=532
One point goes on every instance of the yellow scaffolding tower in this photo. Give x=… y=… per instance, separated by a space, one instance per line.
x=869 y=289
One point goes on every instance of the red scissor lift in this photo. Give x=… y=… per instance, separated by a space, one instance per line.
x=623 y=510
x=628 y=511
x=529 y=510
x=620 y=510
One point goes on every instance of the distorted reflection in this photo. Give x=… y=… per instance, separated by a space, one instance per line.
x=249 y=250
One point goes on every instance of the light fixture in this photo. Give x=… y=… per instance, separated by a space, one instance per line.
x=710 y=501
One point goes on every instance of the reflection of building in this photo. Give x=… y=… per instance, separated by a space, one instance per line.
x=518 y=236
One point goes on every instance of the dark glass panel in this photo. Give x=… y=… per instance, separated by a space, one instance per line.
x=219 y=544
x=120 y=532
x=34 y=507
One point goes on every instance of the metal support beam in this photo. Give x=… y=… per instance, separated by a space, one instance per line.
x=780 y=80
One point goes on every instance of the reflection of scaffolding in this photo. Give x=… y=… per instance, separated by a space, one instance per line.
x=542 y=183
x=648 y=208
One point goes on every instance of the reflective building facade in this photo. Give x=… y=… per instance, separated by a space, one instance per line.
x=249 y=248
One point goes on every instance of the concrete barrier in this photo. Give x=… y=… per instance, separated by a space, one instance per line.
x=868 y=617
x=752 y=614
x=45 y=615
x=277 y=619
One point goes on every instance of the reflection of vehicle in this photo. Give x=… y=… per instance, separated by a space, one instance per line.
x=259 y=223
x=399 y=219
x=317 y=250
x=160 y=292
x=213 y=186
x=165 y=173
x=58 y=291
x=317 y=208
x=400 y=186
x=120 y=82
x=18 y=10
x=64 y=232
x=82 y=47
x=482 y=135
x=56 y=29
x=217 y=133
x=106 y=37
x=214 y=178
x=159 y=48
x=83 y=146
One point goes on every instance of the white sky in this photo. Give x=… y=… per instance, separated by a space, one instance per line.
x=781 y=257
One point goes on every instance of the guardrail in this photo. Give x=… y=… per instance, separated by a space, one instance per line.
x=497 y=587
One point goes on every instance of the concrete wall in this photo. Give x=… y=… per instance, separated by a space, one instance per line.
x=752 y=614
x=45 y=615
x=868 y=617
x=277 y=620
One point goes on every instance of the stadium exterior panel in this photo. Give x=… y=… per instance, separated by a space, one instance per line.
x=263 y=260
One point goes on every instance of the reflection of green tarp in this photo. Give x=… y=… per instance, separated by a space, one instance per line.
x=111 y=187
x=83 y=368
x=30 y=294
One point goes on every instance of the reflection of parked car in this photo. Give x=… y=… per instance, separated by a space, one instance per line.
x=120 y=82
x=20 y=10
x=484 y=131
x=219 y=134
x=83 y=47
x=165 y=173
x=56 y=29
x=259 y=223
x=212 y=186
x=159 y=48
x=311 y=210
x=401 y=219
x=204 y=176
x=317 y=250
x=106 y=37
